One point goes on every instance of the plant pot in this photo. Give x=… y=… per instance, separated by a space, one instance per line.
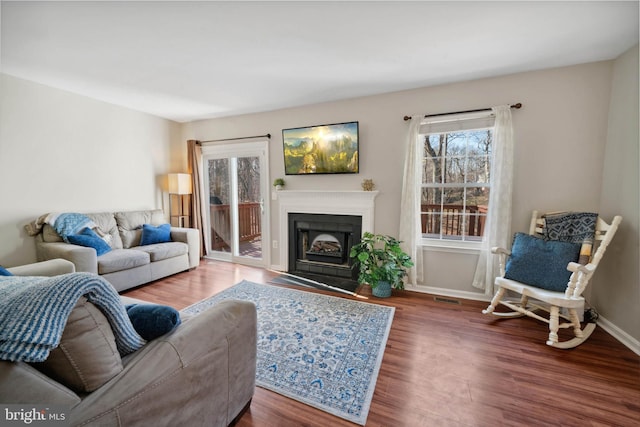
x=381 y=290
x=278 y=187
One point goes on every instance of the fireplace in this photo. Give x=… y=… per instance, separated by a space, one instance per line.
x=319 y=244
x=337 y=203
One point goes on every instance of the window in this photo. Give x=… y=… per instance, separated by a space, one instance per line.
x=456 y=168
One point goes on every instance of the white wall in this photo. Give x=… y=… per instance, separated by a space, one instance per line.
x=63 y=152
x=616 y=285
x=560 y=141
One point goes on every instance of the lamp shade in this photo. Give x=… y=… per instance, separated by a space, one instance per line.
x=179 y=183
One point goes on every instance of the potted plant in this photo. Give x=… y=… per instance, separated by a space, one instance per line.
x=278 y=183
x=383 y=265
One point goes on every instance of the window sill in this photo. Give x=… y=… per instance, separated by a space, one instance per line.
x=450 y=246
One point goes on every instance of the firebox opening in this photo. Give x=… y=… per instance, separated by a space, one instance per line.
x=325 y=248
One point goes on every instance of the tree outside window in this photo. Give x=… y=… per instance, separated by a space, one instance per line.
x=248 y=171
x=455 y=184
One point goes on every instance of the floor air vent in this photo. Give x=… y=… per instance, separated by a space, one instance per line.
x=446 y=300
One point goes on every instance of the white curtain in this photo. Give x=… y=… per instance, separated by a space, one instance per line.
x=497 y=230
x=410 y=226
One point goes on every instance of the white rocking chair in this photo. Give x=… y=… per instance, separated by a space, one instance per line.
x=550 y=301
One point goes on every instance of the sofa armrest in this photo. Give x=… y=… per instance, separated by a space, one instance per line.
x=208 y=363
x=85 y=259
x=191 y=237
x=22 y=383
x=52 y=267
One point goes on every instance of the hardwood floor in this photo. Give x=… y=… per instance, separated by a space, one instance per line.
x=449 y=365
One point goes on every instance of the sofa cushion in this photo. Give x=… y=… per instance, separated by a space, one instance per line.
x=161 y=251
x=107 y=228
x=130 y=224
x=152 y=234
x=122 y=259
x=50 y=235
x=87 y=356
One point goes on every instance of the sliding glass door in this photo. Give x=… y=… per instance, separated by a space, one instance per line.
x=236 y=181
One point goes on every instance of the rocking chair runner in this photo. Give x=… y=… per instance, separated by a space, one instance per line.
x=569 y=298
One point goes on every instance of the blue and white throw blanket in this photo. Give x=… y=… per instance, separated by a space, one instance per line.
x=65 y=224
x=34 y=312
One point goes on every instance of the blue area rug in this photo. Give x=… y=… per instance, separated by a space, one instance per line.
x=321 y=350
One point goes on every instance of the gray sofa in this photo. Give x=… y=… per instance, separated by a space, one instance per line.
x=196 y=375
x=127 y=265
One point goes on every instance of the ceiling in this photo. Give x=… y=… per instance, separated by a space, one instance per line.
x=193 y=60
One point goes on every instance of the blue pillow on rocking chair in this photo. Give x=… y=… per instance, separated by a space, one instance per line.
x=541 y=263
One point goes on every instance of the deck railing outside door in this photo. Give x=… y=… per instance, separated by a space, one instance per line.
x=249 y=224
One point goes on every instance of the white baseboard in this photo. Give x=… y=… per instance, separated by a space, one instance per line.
x=476 y=296
x=277 y=268
x=626 y=339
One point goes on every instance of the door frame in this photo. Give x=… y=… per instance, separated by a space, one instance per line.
x=258 y=148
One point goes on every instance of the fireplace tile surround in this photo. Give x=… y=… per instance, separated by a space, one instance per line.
x=357 y=203
x=319 y=244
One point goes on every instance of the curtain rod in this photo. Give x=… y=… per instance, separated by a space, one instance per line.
x=234 y=139
x=516 y=106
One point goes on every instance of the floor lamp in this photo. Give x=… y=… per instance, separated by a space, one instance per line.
x=180 y=199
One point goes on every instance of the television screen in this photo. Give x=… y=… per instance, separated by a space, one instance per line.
x=321 y=149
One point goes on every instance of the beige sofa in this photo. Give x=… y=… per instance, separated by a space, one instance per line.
x=127 y=265
x=200 y=374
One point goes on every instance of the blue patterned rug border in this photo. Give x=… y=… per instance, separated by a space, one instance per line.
x=353 y=374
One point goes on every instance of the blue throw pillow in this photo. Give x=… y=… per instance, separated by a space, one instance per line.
x=5 y=272
x=90 y=239
x=151 y=321
x=89 y=232
x=541 y=263
x=152 y=234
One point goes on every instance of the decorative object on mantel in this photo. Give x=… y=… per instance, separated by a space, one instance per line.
x=179 y=195
x=278 y=183
x=368 y=185
x=382 y=263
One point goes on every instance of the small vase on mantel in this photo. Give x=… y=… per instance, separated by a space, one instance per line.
x=368 y=185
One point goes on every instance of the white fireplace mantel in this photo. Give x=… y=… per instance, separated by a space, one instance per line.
x=359 y=203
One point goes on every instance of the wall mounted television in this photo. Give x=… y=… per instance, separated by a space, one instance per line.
x=322 y=149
